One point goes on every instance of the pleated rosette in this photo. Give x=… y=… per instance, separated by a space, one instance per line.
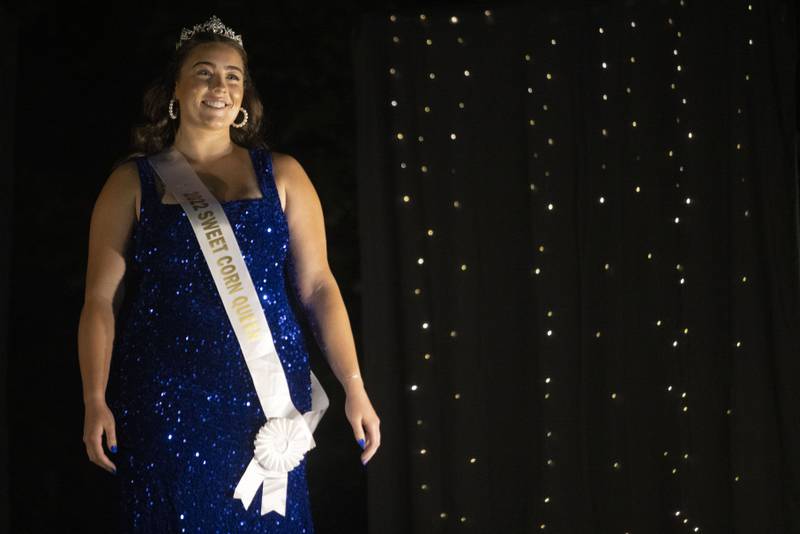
x=281 y=443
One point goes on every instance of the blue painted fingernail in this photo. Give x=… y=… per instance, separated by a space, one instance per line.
x=361 y=442
x=114 y=471
x=113 y=448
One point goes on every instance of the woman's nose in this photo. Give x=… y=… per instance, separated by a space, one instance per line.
x=217 y=81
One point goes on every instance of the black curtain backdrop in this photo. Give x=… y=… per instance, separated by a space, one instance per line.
x=8 y=94
x=575 y=318
x=579 y=237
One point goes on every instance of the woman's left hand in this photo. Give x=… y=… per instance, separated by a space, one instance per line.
x=363 y=419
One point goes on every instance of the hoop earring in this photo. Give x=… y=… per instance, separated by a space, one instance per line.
x=239 y=125
x=171 y=111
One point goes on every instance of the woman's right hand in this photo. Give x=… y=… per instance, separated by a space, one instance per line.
x=98 y=419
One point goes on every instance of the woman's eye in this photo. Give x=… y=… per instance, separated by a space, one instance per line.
x=235 y=77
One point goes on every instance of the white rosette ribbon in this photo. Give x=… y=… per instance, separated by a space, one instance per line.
x=279 y=447
x=280 y=444
x=283 y=440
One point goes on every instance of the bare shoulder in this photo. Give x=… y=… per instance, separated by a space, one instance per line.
x=291 y=179
x=282 y=166
x=126 y=173
x=112 y=219
x=287 y=163
x=124 y=185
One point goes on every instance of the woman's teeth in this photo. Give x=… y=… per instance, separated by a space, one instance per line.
x=216 y=105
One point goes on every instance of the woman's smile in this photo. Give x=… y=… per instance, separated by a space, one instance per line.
x=217 y=107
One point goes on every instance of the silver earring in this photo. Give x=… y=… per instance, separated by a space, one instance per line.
x=171 y=111
x=239 y=125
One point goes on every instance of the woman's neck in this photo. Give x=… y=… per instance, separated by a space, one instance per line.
x=203 y=149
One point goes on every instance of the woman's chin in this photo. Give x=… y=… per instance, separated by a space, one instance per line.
x=213 y=122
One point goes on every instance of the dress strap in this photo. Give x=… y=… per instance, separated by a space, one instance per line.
x=266 y=176
x=150 y=198
x=257 y=157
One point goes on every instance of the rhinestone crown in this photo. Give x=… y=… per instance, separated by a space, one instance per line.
x=213 y=25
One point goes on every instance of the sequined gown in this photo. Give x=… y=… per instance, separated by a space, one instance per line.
x=183 y=399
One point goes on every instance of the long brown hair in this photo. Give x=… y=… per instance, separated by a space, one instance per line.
x=158 y=130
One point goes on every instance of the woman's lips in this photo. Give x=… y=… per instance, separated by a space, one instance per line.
x=215 y=108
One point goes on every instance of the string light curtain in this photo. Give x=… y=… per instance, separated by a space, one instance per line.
x=579 y=231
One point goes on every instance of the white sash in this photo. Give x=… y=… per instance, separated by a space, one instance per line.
x=283 y=440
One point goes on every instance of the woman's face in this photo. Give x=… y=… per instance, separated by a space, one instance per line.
x=212 y=72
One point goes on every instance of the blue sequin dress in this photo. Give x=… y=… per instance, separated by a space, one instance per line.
x=182 y=396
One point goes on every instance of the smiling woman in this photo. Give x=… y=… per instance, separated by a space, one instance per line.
x=207 y=56
x=208 y=87
x=200 y=415
x=211 y=101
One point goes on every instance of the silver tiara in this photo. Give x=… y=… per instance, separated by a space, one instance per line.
x=213 y=25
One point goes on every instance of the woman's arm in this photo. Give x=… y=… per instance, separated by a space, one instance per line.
x=110 y=227
x=318 y=291
x=331 y=325
x=320 y=294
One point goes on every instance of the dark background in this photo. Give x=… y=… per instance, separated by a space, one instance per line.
x=566 y=363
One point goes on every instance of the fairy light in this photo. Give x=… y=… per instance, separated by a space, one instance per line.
x=426 y=93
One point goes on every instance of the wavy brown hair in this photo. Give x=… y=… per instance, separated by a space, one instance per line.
x=158 y=130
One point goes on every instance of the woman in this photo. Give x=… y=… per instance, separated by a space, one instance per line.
x=181 y=398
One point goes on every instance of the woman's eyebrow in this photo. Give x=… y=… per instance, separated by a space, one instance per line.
x=209 y=63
